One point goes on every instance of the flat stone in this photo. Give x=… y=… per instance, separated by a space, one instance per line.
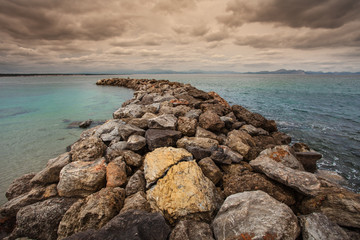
x=165 y=121
x=254 y=215
x=308 y=160
x=156 y=138
x=136 y=183
x=20 y=186
x=301 y=181
x=211 y=121
x=82 y=178
x=136 y=142
x=318 y=226
x=93 y=212
x=184 y=192
x=51 y=173
x=210 y=170
x=136 y=201
x=88 y=149
x=40 y=220
x=133 y=224
x=157 y=162
x=191 y=230
x=116 y=173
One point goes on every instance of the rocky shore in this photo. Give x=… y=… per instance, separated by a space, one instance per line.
x=179 y=163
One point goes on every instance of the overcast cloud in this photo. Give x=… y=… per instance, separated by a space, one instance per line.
x=237 y=35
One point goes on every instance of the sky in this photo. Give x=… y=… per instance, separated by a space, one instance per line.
x=53 y=36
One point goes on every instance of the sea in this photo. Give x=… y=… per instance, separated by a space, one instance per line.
x=321 y=110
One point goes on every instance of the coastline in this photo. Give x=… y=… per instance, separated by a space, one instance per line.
x=168 y=116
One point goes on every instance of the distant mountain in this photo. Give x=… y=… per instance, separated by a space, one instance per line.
x=302 y=72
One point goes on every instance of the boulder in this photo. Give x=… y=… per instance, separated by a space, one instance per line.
x=139 y=122
x=219 y=156
x=199 y=147
x=115 y=149
x=187 y=126
x=136 y=142
x=254 y=215
x=234 y=157
x=210 y=170
x=19 y=186
x=111 y=136
x=191 y=230
x=308 y=160
x=85 y=124
x=108 y=127
x=136 y=183
x=116 y=173
x=318 y=226
x=177 y=111
x=303 y=182
x=213 y=106
x=82 y=178
x=253 y=131
x=51 y=173
x=127 y=130
x=338 y=204
x=136 y=201
x=36 y=194
x=93 y=212
x=165 y=121
x=239 y=141
x=202 y=133
x=249 y=181
x=331 y=176
x=184 y=192
x=87 y=149
x=283 y=155
x=157 y=162
x=133 y=224
x=221 y=101
x=40 y=220
x=211 y=121
x=132 y=159
x=129 y=111
x=156 y=138
x=163 y=98
x=193 y=113
x=281 y=138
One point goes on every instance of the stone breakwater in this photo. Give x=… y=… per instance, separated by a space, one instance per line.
x=180 y=163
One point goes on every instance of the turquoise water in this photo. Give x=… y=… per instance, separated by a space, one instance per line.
x=323 y=111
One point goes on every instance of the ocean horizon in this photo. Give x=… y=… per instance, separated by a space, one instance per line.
x=320 y=110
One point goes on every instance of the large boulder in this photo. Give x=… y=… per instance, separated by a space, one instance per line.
x=254 y=215
x=184 y=192
x=240 y=141
x=136 y=183
x=51 y=173
x=191 y=230
x=157 y=162
x=82 y=178
x=157 y=138
x=133 y=224
x=338 y=204
x=40 y=220
x=317 y=226
x=211 y=121
x=283 y=155
x=87 y=149
x=116 y=173
x=92 y=212
x=19 y=186
x=303 y=182
x=165 y=121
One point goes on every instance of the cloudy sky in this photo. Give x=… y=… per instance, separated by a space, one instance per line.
x=180 y=35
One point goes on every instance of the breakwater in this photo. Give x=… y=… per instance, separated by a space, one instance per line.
x=178 y=160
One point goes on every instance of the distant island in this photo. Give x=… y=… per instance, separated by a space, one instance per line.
x=161 y=71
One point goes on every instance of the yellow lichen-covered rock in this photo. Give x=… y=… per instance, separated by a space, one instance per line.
x=157 y=162
x=184 y=193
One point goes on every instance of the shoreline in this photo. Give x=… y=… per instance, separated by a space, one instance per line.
x=218 y=144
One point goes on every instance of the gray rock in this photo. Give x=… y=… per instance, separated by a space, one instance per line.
x=36 y=194
x=193 y=113
x=177 y=111
x=211 y=121
x=87 y=149
x=283 y=155
x=136 y=201
x=40 y=220
x=163 y=98
x=133 y=224
x=111 y=136
x=115 y=149
x=136 y=183
x=129 y=111
x=254 y=215
x=85 y=124
x=253 y=131
x=317 y=226
x=156 y=138
x=19 y=186
x=127 y=130
x=92 y=212
x=301 y=181
x=191 y=230
x=51 y=173
x=199 y=147
x=210 y=170
x=82 y=178
x=165 y=121
x=136 y=142
x=108 y=127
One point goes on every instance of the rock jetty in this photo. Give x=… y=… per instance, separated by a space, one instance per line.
x=179 y=163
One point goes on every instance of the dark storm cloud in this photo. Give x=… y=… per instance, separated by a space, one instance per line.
x=293 y=13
